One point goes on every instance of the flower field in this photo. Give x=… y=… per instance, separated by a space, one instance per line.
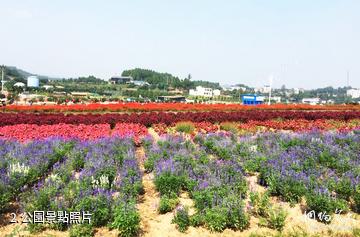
x=243 y=172
x=148 y=107
x=168 y=118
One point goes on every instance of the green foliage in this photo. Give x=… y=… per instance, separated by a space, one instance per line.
x=5 y=198
x=276 y=218
x=78 y=161
x=290 y=190
x=237 y=219
x=168 y=183
x=344 y=189
x=321 y=203
x=81 y=231
x=186 y=127
x=35 y=228
x=215 y=219
x=260 y=203
x=181 y=219
x=197 y=220
x=202 y=199
x=126 y=220
x=254 y=163
x=168 y=204
x=356 y=232
x=165 y=80
x=98 y=206
x=42 y=201
x=229 y=126
x=357 y=199
x=287 y=144
x=149 y=163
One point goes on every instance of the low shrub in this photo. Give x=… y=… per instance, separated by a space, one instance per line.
x=126 y=220
x=167 y=203
x=356 y=198
x=181 y=219
x=260 y=203
x=229 y=127
x=215 y=219
x=197 y=220
x=186 y=127
x=98 y=206
x=237 y=219
x=81 y=231
x=326 y=205
x=276 y=218
x=168 y=183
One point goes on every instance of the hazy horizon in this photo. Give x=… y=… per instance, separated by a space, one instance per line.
x=304 y=44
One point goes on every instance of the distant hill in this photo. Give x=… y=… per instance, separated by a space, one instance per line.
x=20 y=75
x=165 y=80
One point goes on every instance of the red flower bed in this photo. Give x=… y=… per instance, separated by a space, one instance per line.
x=148 y=107
x=130 y=129
x=24 y=132
x=160 y=128
x=169 y=118
x=206 y=127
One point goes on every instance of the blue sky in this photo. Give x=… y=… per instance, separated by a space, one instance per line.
x=301 y=43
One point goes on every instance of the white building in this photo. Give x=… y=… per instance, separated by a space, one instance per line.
x=140 y=83
x=232 y=88
x=19 y=84
x=297 y=91
x=48 y=87
x=311 y=101
x=33 y=81
x=277 y=99
x=216 y=92
x=204 y=91
x=353 y=93
x=264 y=90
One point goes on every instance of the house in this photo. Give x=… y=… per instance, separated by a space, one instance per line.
x=311 y=101
x=353 y=93
x=233 y=88
x=297 y=91
x=204 y=91
x=265 y=89
x=48 y=87
x=277 y=99
x=120 y=80
x=140 y=83
x=216 y=92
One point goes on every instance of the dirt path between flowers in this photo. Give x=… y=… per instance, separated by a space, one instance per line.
x=154 y=224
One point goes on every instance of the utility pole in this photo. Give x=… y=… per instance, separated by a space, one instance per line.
x=2 y=80
x=348 y=78
x=270 y=85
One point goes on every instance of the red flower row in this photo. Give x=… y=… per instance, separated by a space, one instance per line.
x=169 y=118
x=142 y=107
x=24 y=132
